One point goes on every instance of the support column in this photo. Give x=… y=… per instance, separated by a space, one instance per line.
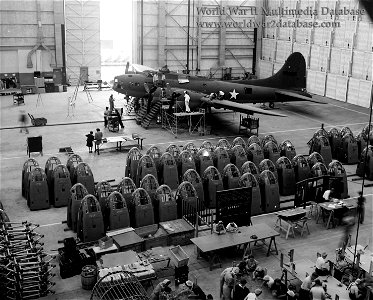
x=161 y=33
x=222 y=35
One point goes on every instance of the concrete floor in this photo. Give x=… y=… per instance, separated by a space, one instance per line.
x=63 y=130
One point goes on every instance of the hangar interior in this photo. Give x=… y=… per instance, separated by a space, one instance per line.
x=109 y=210
x=339 y=58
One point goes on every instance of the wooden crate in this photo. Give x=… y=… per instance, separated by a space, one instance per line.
x=179 y=232
x=153 y=235
x=178 y=256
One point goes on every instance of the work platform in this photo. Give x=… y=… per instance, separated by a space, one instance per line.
x=172 y=122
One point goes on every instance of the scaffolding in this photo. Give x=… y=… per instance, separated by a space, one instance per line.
x=173 y=121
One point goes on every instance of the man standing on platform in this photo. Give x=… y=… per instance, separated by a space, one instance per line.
x=111 y=102
x=187 y=100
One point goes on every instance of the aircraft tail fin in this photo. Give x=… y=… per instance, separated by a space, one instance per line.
x=292 y=75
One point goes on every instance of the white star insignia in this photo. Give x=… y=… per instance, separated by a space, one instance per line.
x=234 y=94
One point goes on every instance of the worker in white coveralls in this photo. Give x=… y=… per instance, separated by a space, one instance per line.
x=186 y=99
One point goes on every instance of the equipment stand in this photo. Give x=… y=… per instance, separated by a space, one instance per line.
x=171 y=122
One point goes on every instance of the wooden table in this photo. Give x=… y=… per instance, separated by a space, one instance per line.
x=350 y=203
x=305 y=267
x=211 y=243
x=366 y=257
x=293 y=219
x=179 y=231
x=127 y=261
x=128 y=240
x=155 y=255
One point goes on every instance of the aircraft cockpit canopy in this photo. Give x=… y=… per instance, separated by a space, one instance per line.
x=300 y=161
x=267 y=177
x=336 y=168
x=319 y=169
x=283 y=163
x=248 y=180
x=250 y=167
x=314 y=158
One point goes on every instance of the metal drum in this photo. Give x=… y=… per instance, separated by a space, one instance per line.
x=203 y=160
x=250 y=167
x=167 y=207
x=249 y=180
x=61 y=186
x=269 y=191
x=145 y=166
x=193 y=177
x=267 y=164
x=132 y=163
x=286 y=176
x=116 y=214
x=51 y=163
x=186 y=162
x=256 y=153
x=144 y=213
x=103 y=190
x=28 y=166
x=287 y=149
x=212 y=183
x=301 y=168
x=239 y=156
x=231 y=177
x=77 y=193
x=83 y=174
x=38 y=194
x=168 y=173
x=221 y=158
x=90 y=220
x=72 y=163
x=336 y=169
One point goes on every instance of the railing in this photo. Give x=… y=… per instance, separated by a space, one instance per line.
x=197 y=215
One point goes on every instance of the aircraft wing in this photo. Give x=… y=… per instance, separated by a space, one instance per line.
x=288 y=96
x=239 y=107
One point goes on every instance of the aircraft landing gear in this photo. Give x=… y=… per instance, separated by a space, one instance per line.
x=271 y=105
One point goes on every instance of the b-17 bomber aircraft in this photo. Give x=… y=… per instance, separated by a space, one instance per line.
x=288 y=84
